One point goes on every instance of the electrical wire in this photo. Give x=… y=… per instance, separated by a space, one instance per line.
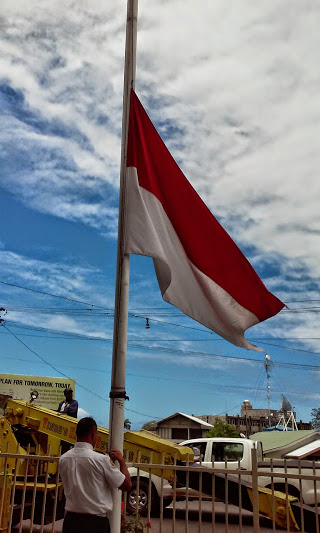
x=257 y=384
x=290 y=348
x=137 y=312
x=284 y=310
x=72 y=336
x=98 y=310
x=65 y=375
x=49 y=294
x=73 y=300
x=160 y=378
x=301 y=301
x=165 y=349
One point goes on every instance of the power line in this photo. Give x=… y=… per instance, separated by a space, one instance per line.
x=290 y=348
x=74 y=336
x=302 y=310
x=71 y=299
x=285 y=310
x=35 y=353
x=302 y=301
x=60 y=310
x=137 y=312
x=147 y=376
x=165 y=349
x=49 y=294
x=71 y=335
x=65 y=375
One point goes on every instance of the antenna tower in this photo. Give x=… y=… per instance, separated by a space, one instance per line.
x=287 y=415
x=268 y=366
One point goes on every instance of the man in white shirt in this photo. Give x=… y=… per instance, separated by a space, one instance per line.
x=88 y=477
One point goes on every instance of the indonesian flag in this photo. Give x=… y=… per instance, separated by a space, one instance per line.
x=199 y=268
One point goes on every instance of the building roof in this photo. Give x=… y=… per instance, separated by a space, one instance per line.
x=190 y=417
x=272 y=440
x=305 y=450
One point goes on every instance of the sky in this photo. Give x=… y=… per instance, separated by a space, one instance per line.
x=233 y=91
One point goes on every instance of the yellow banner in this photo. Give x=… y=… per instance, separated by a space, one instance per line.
x=50 y=390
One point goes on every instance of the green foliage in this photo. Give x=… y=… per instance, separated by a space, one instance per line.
x=150 y=426
x=315 y=418
x=222 y=429
x=133 y=524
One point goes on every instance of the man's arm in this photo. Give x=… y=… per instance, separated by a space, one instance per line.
x=73 y=409
x=116 y=455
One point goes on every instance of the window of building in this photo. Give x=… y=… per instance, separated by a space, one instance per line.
x=179 y=433
x=195 y=433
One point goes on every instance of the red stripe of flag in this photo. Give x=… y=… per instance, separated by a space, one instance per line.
x=206 y=243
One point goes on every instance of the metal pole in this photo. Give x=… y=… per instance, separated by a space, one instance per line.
x=268 y=366
x=255 y=493
x=118 y=376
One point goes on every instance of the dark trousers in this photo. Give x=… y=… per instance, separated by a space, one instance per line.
x=85 y=523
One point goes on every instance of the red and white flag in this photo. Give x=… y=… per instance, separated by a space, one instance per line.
x=199 y=268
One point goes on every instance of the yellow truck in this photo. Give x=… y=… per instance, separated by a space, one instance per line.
x=26 y=428
x=31 y=438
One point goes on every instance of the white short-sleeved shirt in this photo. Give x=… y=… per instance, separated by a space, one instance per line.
x=87 y=479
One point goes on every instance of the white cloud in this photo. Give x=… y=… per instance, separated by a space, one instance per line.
x=64 y=64
x=234 y=92
x=241 y=87
x=82 y=413
x=57 y=278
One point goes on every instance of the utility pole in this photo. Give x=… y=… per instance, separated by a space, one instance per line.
x=268 y=365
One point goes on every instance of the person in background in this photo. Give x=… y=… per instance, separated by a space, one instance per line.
x=68 y=406
x=88 y=478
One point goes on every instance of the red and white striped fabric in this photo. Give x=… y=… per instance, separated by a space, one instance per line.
x=199 y=268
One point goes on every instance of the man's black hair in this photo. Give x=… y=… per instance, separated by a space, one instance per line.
x=85 y=426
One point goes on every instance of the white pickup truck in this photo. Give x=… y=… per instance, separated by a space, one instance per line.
x=230 y=452
x=159 y=488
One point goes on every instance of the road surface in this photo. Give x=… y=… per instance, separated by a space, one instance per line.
x=193 y=522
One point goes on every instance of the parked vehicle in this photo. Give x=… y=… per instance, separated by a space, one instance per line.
x=232 y=453
x=30 y=432
x=160 y=490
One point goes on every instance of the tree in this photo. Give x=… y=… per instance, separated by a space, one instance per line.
x=222 y=429
x=315 y=418
x=127 y=424
x=150 y=426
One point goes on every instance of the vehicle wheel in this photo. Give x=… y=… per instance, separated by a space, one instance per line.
x=167 y=502
x=143 y=499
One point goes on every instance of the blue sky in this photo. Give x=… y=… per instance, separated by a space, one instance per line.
x=234 y=94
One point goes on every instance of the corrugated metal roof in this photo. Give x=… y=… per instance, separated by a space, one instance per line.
x=305 y=450
x=194 y=418
x=276 y=439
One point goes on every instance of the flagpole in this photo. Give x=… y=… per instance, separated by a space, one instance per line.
x=119 y=356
